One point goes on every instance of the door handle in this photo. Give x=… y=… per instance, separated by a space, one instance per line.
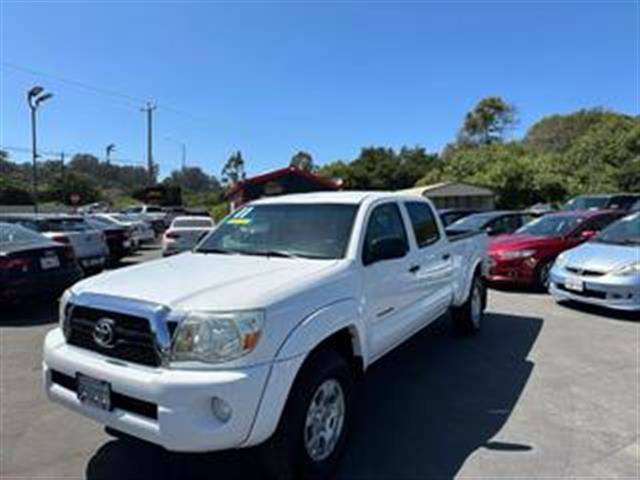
x=414 y=268
x=446 y=256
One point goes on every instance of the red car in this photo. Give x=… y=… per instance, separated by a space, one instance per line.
x=526 y=256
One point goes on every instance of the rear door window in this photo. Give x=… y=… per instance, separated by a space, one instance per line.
x=423 y=220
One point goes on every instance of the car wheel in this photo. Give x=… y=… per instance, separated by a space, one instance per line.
x=542 y=279
x=467 y=318
x=311 y=436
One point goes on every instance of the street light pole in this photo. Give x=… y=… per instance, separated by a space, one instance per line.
x=149 y=108
x=110 y=148
x=34 y=153
x=35 y=96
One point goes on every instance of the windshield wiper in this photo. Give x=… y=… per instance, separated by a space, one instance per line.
x=222 y=251
x=273 y=253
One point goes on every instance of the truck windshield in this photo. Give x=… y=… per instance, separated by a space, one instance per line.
x=289 y=230
x=551 y=225
x=623 y=232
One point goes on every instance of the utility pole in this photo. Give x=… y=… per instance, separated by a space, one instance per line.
x=184 y=155
x=35 y=96
x=149 y=108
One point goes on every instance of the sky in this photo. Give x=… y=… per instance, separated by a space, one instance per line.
x=327 y=77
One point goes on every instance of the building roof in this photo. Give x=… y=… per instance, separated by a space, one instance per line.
x=450 y=189
x=269 y=176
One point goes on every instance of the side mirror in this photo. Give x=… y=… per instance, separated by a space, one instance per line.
x=587 y=234
x=490 y=231
x=385 y=249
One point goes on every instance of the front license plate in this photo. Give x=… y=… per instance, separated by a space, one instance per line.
x=94 y=392
x=49 y=261
x=575 y=284
x=93 y=262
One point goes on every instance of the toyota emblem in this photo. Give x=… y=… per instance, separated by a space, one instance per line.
x=104 y=332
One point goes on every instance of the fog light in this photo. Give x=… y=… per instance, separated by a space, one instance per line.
x=221 y=409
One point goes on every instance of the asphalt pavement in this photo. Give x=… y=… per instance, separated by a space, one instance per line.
x=544 y=391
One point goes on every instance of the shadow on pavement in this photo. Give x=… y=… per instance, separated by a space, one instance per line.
x=421 y=411
x=29 y=313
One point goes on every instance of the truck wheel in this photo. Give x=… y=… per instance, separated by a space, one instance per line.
x=312 y=433
x=467 y=318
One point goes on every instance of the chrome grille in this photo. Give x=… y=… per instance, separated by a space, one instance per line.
x=133 y=339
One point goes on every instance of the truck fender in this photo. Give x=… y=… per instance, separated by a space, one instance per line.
x=308 y=334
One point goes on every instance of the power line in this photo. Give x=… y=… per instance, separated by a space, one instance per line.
x=99 y=90
x=56 y=153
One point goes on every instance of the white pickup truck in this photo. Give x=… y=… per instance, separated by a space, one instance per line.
x=258 y=335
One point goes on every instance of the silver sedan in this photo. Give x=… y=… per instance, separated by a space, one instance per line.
x=604 y=271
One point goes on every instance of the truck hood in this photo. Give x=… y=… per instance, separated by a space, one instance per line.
x=518 y=241
x=207 y=281
x=602 y=257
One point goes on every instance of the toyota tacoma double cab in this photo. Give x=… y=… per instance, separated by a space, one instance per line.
x=259 y=334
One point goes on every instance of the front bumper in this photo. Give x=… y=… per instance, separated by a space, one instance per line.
x=185 y=421
x=520 y=271
x=615 y=292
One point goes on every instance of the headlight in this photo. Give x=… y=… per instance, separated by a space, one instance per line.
x=62 y=310
x=216 y=337
x=562 y=260
x=517 y=254
x=627 y=270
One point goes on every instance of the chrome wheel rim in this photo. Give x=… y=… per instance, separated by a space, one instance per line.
x=476 y=306
x=544 y=275
x=325 y=419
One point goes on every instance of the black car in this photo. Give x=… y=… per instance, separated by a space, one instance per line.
x=450 y=215
x=494 y=223
x=118 y=238
x=32 y=265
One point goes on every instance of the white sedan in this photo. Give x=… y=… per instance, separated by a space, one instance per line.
x=184 y=233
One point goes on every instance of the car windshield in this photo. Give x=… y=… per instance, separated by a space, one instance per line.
x=586 y=203
x=623 y=232
x=11 y=233
x=289 y=230
x=192 y=223
x=473 y=222
x=551 y=225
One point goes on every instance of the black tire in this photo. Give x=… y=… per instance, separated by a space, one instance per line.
x=284 y=455
x=466 y=320
x=541 y=277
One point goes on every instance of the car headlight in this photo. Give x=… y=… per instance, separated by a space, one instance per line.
x=215 y=337
x=627 y=270
x=517 y=254
x=62 y=311
x=562 y=260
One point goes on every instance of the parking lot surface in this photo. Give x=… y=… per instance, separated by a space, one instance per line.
x=544 y=391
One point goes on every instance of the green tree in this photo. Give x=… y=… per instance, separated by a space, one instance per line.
x=488 y=122
x=303 y=160
x=557 y=133
x=338 y=171
x=233 y=171
x=194 y=179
